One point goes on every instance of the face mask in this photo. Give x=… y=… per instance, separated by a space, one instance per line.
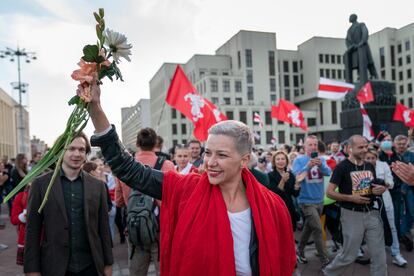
x=386 y=145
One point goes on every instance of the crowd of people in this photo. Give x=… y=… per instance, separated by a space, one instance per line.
x=225 y=208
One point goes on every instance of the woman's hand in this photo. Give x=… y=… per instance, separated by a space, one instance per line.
x=300 y=177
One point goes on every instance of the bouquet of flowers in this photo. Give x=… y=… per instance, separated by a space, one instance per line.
x=95 y=65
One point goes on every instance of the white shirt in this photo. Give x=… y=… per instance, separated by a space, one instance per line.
x=241 y=227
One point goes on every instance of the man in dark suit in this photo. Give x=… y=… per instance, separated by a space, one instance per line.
x=71 y=235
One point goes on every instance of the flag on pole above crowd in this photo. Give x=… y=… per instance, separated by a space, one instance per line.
x=404 y=114
x=257 y=119
x=183 y=97
x=367 y=131
x=289 y=113
x=333 y=90
x=273 y=141
x=365 y=94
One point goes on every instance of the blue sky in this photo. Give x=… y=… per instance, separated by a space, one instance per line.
x=160 y=31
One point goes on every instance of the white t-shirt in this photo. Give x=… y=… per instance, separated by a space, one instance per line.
x=241 y=227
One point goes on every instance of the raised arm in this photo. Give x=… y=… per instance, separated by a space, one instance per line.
x=123 y=165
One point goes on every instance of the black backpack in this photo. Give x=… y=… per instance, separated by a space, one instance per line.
x=142 y=223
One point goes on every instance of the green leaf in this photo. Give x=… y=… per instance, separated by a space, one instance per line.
x=91 y=52
x=98 y=31
x=100 y=59
x=74 y=100
x=101 y=12
x=97 y=17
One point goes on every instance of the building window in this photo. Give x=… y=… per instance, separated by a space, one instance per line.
x=333 y=73
x=296 y=81
x=269 y=137
x=301 y=78
x=226 y=101
x=273 y=85
x=320 y=58
x=400 y=76
x=399 y=48
x=287 y=94
x=301 y=64
x=408 y=73
x=214 y=85
x=243 y=117
x=327 y=73
x=239 y=101
x=230 y=115
x=226 y=86
x=173 y=114
x=286 y=66
x=402 y=101
x=184 y=141
x=393 y=74
x=408 y=59
x=272 y=98
x=383 y=74
x=182 y=116
x=295 y=67
x=333 y=59
x=183 y=129
x=175 y=142
x=401 y=89
x=334 y=113
x=250 y=91
x=311 y=122
x=249 y=58
x=382 y=57
x=214 y=100
x=326 y=58
x=296 y=92
x=400 y=61
x=272 y=71
x=338 y=59
x=410 y=88
x=257 y=137
x=339 y=74
x=174 y=128
x=286 y=80
x=238 y=86
x=281 y=137
x=321 y=73
x=392 y=55
x=238 y=59
x=321 y=112
x=410 y=102
x=249 y=76
x=268 y=117
x=407 y=45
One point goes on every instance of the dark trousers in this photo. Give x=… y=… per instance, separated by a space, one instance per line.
x=89 y=271
x=396 y=201
x=120 y=222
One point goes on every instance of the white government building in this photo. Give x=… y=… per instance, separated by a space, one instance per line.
x=248 y=74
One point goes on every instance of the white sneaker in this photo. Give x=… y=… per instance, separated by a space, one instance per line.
x=399 y=260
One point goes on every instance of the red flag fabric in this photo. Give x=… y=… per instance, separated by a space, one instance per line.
x=289 y=113
x=367 y=131
x=258 y=119
x=365 y=94
x=184 y=97
x=404 y=114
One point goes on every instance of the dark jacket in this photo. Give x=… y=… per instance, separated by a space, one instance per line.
x=50 y=254
x=389 y=159
x=147 y=180
x=286 y=194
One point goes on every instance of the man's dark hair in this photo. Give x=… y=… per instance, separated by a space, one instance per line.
x=159 y=142
x=321 y=146
x=146 y=139
x=89 y=166
x=87 y=144
x=194 y=141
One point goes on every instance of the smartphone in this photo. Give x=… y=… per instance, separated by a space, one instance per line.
x=314 y=154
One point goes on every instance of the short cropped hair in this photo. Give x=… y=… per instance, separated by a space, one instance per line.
x=146 y=139
x=241 y=134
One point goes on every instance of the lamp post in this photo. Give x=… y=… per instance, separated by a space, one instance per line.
x=21 y=87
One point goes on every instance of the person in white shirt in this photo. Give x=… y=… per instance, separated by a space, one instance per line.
x=182 y=158
x=383 y=171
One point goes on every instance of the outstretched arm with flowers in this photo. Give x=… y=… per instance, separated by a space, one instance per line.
x=98 y=61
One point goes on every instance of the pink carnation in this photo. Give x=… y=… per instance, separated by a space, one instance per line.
x=87 y=72
x=84 y=92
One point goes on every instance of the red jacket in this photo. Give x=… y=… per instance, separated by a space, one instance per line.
x=19 y=204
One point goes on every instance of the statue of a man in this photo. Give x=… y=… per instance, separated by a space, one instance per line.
x=358 y=55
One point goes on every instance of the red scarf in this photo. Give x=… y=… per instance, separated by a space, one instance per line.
x=196 y=236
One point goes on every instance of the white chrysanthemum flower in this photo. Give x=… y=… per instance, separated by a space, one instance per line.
x=118 y=45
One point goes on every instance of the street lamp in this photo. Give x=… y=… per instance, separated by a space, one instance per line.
x=28 y=56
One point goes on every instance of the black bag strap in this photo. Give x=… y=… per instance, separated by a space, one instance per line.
x=159 y=162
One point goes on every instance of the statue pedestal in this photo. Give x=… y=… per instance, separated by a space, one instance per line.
x=380 y=111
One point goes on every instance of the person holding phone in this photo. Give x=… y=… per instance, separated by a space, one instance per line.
x=311 y=197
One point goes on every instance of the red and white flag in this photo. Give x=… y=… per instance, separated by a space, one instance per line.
x=289 y=113
x=333 y=90
x=183 y=97
x=365 y=94
x=367 y=131
x=257 y=119
x=404 y=114
x=273 y=141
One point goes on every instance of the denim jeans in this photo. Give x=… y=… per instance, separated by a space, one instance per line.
x=407 y=209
